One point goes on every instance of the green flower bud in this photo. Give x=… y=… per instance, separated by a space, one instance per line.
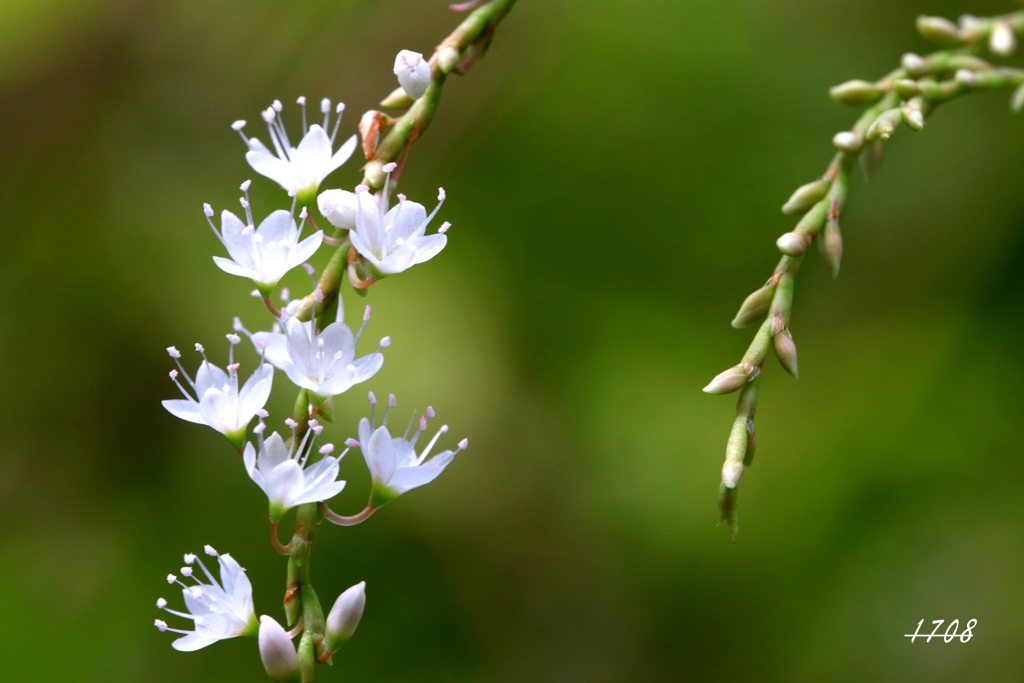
x=831 y=246
x=398 y=99
x=727 y=382
x=885 y=125
x=848 y=141
x=748 y=459
x=754 y=306
x=914 y=64
x=913 y=116
x=907 y=88
x=939 y=30
x=856 y=92
x=805 y=197
x=792 y=244
x=785 y=350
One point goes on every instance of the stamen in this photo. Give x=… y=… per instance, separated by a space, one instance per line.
x=171 y=578
x=392 y=402
x=277 y=106
x=208 y=212
x=444 y=227
x=430 y=411
x=233 y=338
x=161 y=603
x=292 y=424
x=244 y=187
x=373 y=411
x=208 y=549
x=190 y=558
x=186 y=571
x=337 y=123
x=327 y=449
x=302 y=102
x=285 y=295
x=325 y=109
x=173 y=352
x=238 y=125
x=351 y=443
x=260 y=428
x=430 y=446
x=408 y=427
x=388 y=168
x=464 y=444
x=161 y=625
x=385 y=342
x=256 y=293
x=263 y=414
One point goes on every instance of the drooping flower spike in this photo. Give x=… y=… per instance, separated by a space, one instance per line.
x=299 y=170
x=219 y=402
x=393 y=462
x=391 y=240
x=285 y=474
x=219 y=609
x=266 y=253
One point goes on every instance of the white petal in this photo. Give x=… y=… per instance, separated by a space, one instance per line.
x=304 y=250
x=274 y=452
x=186 y=410
x=210 y=376
x=232 y=268
x=312 y=156
x=281 y=172
x=340 y=157
x=220 y=411
x=277 y=227
x=275 y=349
x=380 y=455
x=249 y=459
x=284 y=484
x=191 y=643
x=239 y=245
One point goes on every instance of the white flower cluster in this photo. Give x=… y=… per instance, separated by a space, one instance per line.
x=374 y=240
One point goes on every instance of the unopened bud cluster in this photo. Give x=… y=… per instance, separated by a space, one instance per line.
x=903 y=98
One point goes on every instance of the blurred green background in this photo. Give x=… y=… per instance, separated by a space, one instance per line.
x=614 y=172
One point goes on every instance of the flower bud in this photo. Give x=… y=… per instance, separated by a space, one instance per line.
x=939 y=30
x=1002 y=40
x=727 y=382
x=885 y=125
x=370 y=128
x=345 y=615
x=856 y=92
x=413 y=73
x=751 y=444
x=967 y=77
x=398 y=99
x=447 y=58
x=848 y=141
x=914 y=65
x=907 y=88
x=732 y=470
x=754 y=307
x=339 y=208
x=831 y=246
x=785 y=349
x=805 y=197
x=792 y=244
x=913 y=117
x=277 y=651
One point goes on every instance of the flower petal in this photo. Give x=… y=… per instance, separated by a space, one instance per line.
x=340 y=157
x=192 y=642
x=186 y=410
x=312 y=157
x=380 y=455
x=281 y=172
x=232 y=268
x=284 y=484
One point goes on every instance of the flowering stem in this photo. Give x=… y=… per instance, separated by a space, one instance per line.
x=906 y=95
x=332 y=516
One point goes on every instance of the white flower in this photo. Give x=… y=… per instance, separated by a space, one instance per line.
x=345 y=615
x=299 y=170
x=277 y=651
x=282 y=473
x=266 y=253
x=220 y=610
x=394 y=240
x=394 y=465
x=339 y=208
x=413 y=73
x=219 y=402
x=325 y=363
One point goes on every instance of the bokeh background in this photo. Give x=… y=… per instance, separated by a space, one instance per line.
x=615 y=171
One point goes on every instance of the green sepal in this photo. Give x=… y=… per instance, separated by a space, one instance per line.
x=316 y=400
x=382 y=495
x=276 y=513
x=237 y=439
x=264 y=289
x=307 y=196
x=325 y=411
